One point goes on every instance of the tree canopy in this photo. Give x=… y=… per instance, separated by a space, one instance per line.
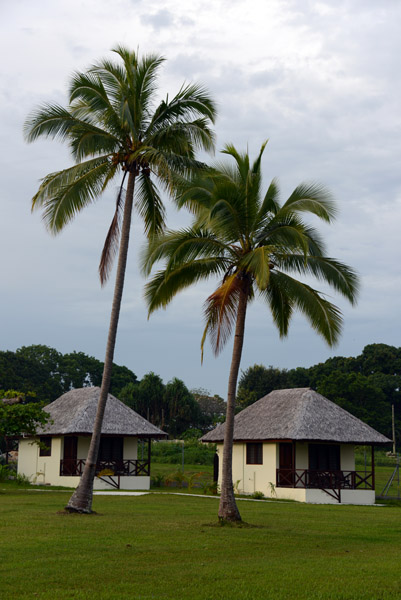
x=366 y=385
x=48 y=373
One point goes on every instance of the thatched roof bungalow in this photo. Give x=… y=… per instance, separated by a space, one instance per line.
x=297 y=444
x=64 y=443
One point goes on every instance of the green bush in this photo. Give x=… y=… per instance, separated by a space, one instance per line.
x=157 y=480
x=257 y=496
x=5 y=472
x=178 y=478
x=209 y=487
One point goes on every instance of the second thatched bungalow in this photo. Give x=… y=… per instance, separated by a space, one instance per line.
x=297 y=444
x=124 y=454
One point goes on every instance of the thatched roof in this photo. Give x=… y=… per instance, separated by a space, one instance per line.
x=297 y=414
x=74 y=413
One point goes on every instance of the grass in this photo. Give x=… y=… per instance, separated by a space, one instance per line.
x=196 y=477
x=162 y=547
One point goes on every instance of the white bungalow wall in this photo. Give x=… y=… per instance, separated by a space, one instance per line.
x=46 y=469
x=248 y=479
x=40 y=469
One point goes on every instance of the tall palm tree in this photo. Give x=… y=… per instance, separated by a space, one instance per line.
x=253 y=244
x=116 y=129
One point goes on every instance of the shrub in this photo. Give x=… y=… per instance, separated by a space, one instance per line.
x=257 y=495
x=210 y=487
x=5 y=472
x=177 y=478
x=157 y=480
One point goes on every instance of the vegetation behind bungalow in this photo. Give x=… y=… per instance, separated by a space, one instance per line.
x=366 y=386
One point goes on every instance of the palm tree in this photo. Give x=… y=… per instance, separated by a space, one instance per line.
x=253 y=244
x=115 y=129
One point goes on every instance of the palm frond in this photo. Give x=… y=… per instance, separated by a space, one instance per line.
x=313 y=198
x=89 y=141
x=257 y=263
x=185 y=247
x=270 y=205
x=89 y=99
x=256 y=167
x=338 y=275
x=242 y=160
x=194 y=192
x=65 y=193
x=288 y=235
x=280 y=303
x=324 y=317
x=149 y=205
x=113 y=78
x=163 y=286
x=112 y=240
x=183 y=137
x=220 y=312
x=49 y=120
x=192 y=102
x=145 y=83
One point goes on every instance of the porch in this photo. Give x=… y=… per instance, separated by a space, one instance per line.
x=118 y=465
x=125 y=468
x=323 y=466
x=331 y=482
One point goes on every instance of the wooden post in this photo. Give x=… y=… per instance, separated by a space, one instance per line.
x=373 y=467
x=294 y=466
x=393 y=422
x=149 y=456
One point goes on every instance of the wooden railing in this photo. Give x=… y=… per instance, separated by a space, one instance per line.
x=324 y=480
x=75 y=467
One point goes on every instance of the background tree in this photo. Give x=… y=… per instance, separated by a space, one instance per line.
x=257 y=381
x=212 y=408
x=81 y=370
x=146 y=398
x=171 y=407
x=47 y=373
x=32 y=369
x=183 y=412
x=252 y=243
x=366 y=385
x=115 y=128
x=19 y=415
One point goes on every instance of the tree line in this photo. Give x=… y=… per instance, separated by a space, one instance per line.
x=366 y=385
x=40 y=374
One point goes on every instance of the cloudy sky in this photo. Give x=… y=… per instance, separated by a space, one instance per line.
x=320 y=79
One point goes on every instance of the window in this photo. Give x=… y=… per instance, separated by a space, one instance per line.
x=111 y=448
x=324 y=457
x=46 y=446
x=254 y=453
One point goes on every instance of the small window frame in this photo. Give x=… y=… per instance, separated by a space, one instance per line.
x=254 y=453
x=48 y=450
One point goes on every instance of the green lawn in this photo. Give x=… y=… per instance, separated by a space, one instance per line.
x=161 y=546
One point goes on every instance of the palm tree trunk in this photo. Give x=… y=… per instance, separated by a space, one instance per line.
x=228 y=510
x=81 y=500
